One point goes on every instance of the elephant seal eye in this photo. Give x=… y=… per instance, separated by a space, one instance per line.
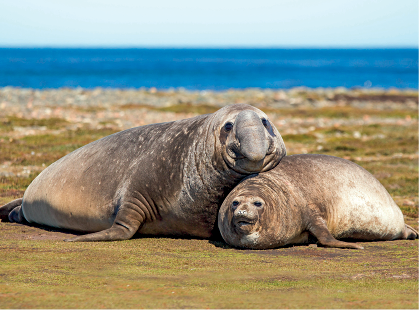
x=265 y=122
x=228 y=126
x=235 y=203
x=257 y=204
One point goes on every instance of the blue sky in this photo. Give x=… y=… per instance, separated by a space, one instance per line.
x=214 y=23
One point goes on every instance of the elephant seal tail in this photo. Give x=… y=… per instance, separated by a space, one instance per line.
x=10 y=209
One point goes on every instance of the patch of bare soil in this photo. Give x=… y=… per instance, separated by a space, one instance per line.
x=12 y=193
x=312 y=251
x=32 y=232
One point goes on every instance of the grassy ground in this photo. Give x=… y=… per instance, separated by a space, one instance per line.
x=39 y=270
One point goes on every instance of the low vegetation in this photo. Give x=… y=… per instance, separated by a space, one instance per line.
x=39 y=270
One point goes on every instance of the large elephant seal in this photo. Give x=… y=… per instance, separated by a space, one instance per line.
x=159 y=179
x=310 y=195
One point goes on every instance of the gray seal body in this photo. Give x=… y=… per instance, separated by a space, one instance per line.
x=159 y=179
x=310 y=195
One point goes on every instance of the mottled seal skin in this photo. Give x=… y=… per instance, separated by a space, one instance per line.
x=159 y=179
x=310 y=195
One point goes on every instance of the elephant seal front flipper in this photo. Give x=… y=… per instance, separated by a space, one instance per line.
x=159 y=179
x=332 y=198
x=318 y=228
x=124 y=227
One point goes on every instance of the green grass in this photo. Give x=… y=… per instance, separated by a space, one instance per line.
x=179 y=108
x=189 y=108
x=47 y=148
x=8 y=123
x=345 y=112
x=299 y=138
x=172 y=273
x=39 y=270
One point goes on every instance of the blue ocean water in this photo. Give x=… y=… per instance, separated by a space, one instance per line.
x=215 y=69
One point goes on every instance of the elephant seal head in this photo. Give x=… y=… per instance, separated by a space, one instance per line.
x=246 y=139
x=242 y=218
x=255 y=216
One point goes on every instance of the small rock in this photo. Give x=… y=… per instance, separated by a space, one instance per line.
x=356 y=134
x=402 y=276
x=408 y=203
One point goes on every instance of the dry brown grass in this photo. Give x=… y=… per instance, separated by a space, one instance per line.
x=39 y=270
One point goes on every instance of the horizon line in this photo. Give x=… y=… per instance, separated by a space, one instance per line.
x=212 y=47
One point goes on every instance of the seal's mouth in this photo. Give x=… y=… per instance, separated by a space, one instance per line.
x=233 y=151
x=241 y=164
x=243 y=225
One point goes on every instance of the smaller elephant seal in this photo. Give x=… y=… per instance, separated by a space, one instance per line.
x=310 y=195
x=158 y=179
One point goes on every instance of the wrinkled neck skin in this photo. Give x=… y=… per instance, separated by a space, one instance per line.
x=205 y=185
x=286 y=219
x=204 y=181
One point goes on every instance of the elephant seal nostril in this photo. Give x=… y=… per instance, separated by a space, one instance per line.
x=244 y=218
x=241 y=213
